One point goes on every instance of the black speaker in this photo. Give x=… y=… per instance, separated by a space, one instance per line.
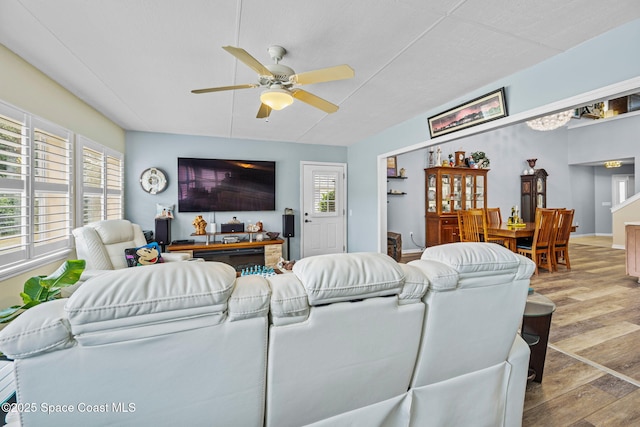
x=287 y=226
x=163 y=232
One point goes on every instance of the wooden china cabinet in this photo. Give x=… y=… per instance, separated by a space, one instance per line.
x=448 y=190
x=533 y=194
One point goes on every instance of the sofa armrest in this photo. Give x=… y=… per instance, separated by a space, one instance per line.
x=289 y=301
x=40 y=329
x=250 y=298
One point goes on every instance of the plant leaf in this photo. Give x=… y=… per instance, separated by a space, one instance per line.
x=32 y=289
x=9 y=311
x=67 y=274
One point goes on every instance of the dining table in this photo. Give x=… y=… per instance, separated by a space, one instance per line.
x=511 y=233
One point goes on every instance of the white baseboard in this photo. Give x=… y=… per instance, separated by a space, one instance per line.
x=411 y=251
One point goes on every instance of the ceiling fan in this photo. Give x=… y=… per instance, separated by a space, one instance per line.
x=281 y=82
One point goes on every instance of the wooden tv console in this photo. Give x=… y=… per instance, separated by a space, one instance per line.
x=272 y=249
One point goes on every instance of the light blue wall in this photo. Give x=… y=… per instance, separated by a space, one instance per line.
x=592 y=65
x=583 y=188
x=507 y=148
x=145 y=149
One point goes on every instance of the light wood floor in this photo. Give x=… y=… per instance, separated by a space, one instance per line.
x=592 y=369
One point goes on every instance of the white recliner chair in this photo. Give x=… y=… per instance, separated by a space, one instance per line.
x=477 y=376
x=102 y=243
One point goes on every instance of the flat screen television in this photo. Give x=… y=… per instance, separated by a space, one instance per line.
x=218 y=185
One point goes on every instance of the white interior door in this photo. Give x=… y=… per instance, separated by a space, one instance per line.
x=323 y=208
x=622 y=188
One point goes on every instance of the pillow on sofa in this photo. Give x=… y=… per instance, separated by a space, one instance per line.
x=144 y=255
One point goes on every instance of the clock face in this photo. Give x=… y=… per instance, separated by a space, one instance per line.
x=153 y=181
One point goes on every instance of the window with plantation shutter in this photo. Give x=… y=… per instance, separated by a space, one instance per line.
x=13 y=187
x=100 y=189
x=36 y=214
x=39 y=205
x=51 y=197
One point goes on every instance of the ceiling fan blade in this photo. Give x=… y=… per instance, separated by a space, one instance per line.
x=249 y=60
x=314 y=101
x=221 y=88
x=263 y=112
x=339 y=72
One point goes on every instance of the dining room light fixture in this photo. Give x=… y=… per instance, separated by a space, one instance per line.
x=550 y=122
x=613 y=164
x=276 y=98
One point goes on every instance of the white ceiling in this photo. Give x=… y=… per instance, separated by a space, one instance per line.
x=136 y=61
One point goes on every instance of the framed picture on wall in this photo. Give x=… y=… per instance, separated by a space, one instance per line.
x=488 y=107
x=392 y=166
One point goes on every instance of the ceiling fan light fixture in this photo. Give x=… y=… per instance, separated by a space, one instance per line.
x=276 y=98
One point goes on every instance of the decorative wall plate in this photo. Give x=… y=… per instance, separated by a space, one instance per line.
x=153 y=181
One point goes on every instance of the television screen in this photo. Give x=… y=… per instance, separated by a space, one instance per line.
x=216 y=185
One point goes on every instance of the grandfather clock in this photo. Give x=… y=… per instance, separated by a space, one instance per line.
x=533 y=194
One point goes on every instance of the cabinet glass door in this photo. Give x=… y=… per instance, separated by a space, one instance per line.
x=446 y=193
x=431 y=193
x=468 y=192
x=479 y=195
x=456 y=198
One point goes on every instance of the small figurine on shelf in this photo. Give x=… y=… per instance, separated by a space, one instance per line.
x=201 y=225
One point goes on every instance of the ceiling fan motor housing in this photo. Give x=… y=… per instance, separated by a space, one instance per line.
x=281 y=72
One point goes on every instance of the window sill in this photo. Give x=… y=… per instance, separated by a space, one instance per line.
x=33 y=264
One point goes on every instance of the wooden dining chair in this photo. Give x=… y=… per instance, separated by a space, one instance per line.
x=494 y=218
x=540 y=248
x=560 y=249
x=469 y=225
x=473 y=227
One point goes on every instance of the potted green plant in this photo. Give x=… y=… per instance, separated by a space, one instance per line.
x=480 y=159
x=39 y=289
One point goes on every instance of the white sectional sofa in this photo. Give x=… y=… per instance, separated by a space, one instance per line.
x=344 y=340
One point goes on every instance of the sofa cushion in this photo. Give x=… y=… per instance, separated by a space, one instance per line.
x=114 y=231
x=344 y=277
x=473 y=257
x=124 y=298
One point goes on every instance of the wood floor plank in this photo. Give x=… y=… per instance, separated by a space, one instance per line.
x=556 y=384
x=597 y=336
x=623 y=412
x=568 y=408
